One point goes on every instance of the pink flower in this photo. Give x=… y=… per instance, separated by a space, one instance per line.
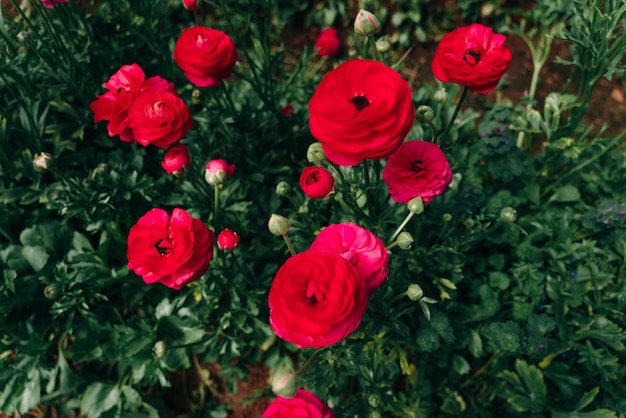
x=303 y=405
x=227 y=240
x=218 y=171
x=327 y=43
x=176 y=159
x=286 y=111
x=360 y=247
x=190 y=4
x=417 y=168
x=316 y=182
x=49 y=3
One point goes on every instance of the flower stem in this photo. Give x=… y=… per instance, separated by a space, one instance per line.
x=372 y=43
x=454 y=115
x=216 y=205
x=400 y=228
x=289 y=244
x=306 y=365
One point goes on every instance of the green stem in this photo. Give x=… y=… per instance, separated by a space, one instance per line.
x=372 y=43
x=454 y=115
x=306 y=365
x=319 y=64
x=292 y=250
x=216 y=206
x=402 y=225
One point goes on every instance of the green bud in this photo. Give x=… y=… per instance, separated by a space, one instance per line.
x=374 y=414
x=303 y=208
x=374 y=400
x=383 y=45
x=456 y=180
x=159 y=349
x=278 y=225
x=51 y=291
x=446 y=217
x=43 y=162
x=195 y=96
x=416 y=205
x=441 y=96
x=405 y=240
x=508 y=214
x=315 y=153
x=415 y=292
x=424 y=114
x=283 y=188
x=366 y=23
x=23 y=36
x=284 y=382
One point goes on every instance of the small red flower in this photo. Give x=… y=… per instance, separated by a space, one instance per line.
x=286 y=111
x=190 y=4
x=205 y=55
x=173 y=250
x=316 y=182
x=417 y=168
x=227 y=240
x=327 y=43
x=49 y=3
x=472 y=56
x=361 y=109
x=176 y=159
x=218 y=171
x=303 y=404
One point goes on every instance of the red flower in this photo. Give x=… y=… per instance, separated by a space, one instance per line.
x=190 y=5
x=360 y=247
x=316 y=299
x=316 y=182
x=361 y=109
x=159 y=118
x=218 y=171
x=123 y=88
x=227 y=240
x=205 y=55
x=303 y=404
x=49 y=3
x=418 y=168
x=327 y=43
x=286 y=111
x=176 y=159
x=472 y=56
x=173 y=250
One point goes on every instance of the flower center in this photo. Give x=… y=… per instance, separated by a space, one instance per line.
x=314 y=293
x=472 y=57
x=164 y=246
x=415 y=165
x=313 y=178
x=360 y=102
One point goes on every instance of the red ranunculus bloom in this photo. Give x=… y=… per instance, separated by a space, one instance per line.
x=227 y=240
x=361 y=109
x=303 y=405
x=363 y=249
x=159 y=118
x=176 y=159
x=327 y=43
x=316 y=182
x=205 y=55
x=123 y=88
x=49 y=3
x=316 y=299
x=173 y=250
x=418 y=168
x=472 y=56
x=190 y=5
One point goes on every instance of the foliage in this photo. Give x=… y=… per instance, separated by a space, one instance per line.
x=529 y=316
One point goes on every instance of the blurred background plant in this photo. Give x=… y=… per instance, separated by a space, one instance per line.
x=524 y=255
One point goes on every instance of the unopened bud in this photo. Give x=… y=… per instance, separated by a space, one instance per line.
x=315 y=153
x=366 y=23
x=374 y=400
x=51 y=291
x=446 y=217
x=283 y=188
x=284 y=382
x=415 y=292
x=383 y=45
x=416 y=205
x=195 y=96
x=278 y=225
x=441 y=96
x=508 y=214
x=424 y=114
x=43 y=162
x=23 y=36
x=159 y=349
x=456 y=180
x=405 y=240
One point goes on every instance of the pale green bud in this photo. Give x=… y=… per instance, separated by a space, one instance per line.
x=415 y=292
x=446 y=217
x=416 y=205
x=383 y=45
x=508 y=214
x=315 y=153
x=424 y=114
x=159 y=349
x=284 y=382
x=374 y=400
x=51 y=291
x=405 y=240
x=195 y=96
x=43 y=162
x=283 y=188
x=366 y=23
x=278 y=225
x=441 y=96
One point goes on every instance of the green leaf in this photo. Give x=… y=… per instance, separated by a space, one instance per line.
x=99 y=398
x=35 y=256
x=475 y=344
x=460 y=365
x=587 y=398
x=598 y=413
x=567 y=193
